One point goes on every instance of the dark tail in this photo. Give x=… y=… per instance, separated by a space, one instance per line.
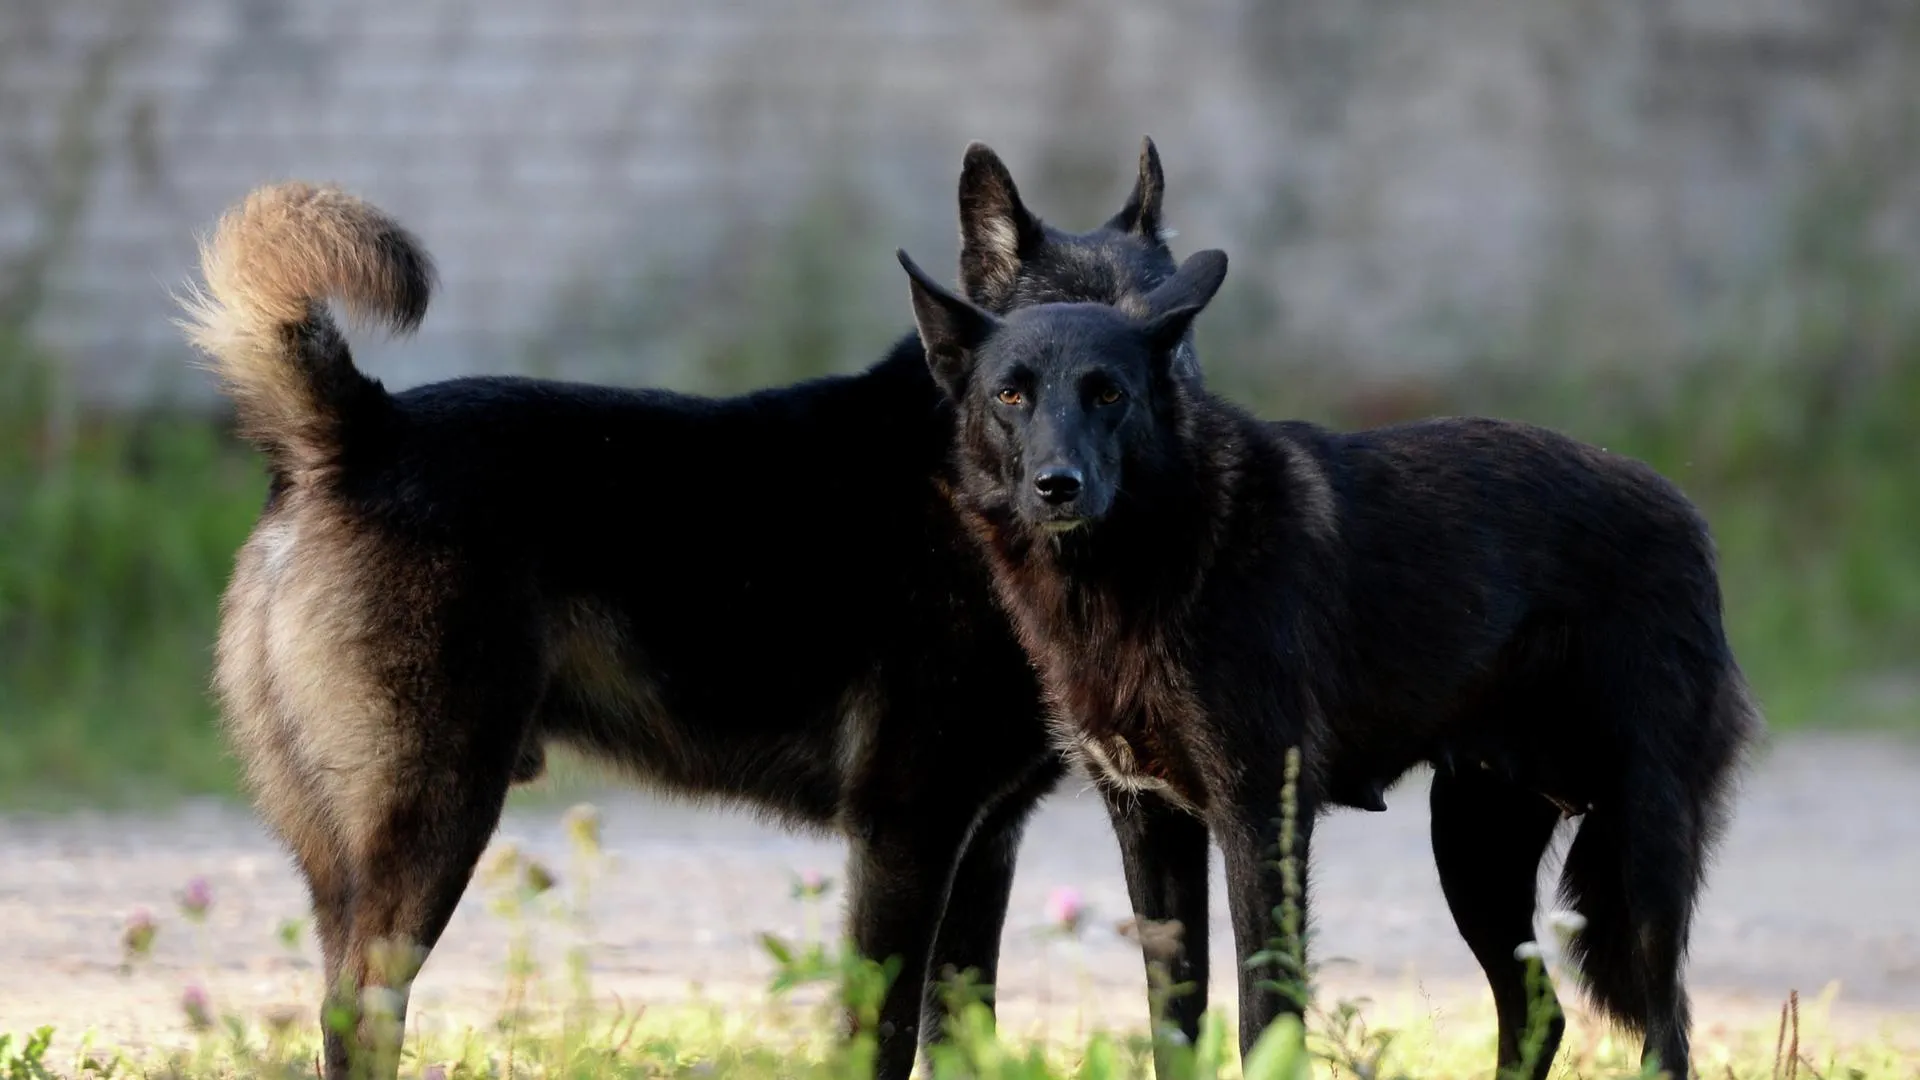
x=261 y=316
x=1636 y=866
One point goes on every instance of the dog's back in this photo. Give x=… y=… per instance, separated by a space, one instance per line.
x=1475 y=564
x=1475 y=530
x=518 y=526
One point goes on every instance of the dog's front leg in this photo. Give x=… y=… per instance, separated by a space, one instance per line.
x=1164 y=852
x=1261 y=881
x=899 y=871
x=975 y=912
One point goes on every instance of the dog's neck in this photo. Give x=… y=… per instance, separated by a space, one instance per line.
x=1104 y=612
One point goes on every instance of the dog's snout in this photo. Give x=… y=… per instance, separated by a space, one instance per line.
x=1058 y=484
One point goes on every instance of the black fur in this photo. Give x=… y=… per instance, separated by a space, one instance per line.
x=767 y=599
x=1539 y=619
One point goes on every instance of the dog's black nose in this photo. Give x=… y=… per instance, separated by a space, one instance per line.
x=1058 y=484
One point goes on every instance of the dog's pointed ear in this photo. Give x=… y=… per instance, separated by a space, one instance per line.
x=951 y=329
x=997 y=231
x=1141 y=214
x=1173 y=306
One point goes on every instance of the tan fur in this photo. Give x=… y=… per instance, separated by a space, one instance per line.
x=992 y=221
x=318 y=646
x=998 y=247
x=310 y=669
x=307 y=714
x=1134 y=305
x=267 y=267
x=591 y=659
x=264 y=743
x=861 y=710
x=308 y=709
x=590 y=656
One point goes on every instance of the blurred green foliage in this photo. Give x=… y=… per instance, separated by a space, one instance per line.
x=116 y=536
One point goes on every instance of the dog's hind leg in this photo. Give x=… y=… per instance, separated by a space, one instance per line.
x=296 y=808
x=407 y=886
x=976 y=907
x=409 y=870
x=379 y=908
x=413 y=791
x=1488 y=837
x=1164 y=850
x=323 y=863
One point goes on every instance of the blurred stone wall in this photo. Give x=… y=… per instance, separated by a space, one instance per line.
x=1402 y=184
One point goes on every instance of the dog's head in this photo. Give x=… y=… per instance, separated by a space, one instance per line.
x=1010 y=259
x=1059 y=402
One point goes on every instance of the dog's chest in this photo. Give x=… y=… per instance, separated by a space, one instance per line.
x=1119 y=710
x=1113 y=762
x=1121 y=699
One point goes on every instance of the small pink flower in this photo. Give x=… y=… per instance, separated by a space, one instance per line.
x=810 y=884
x=198 y=1007
x=196 y=898
x=137 y=939
x=1065 y=909
x=434 y=1072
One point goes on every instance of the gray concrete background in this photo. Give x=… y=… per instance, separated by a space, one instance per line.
x=1402 y=186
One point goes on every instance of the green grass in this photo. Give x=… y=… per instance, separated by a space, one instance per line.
x=117 y=532
x=749 y=1045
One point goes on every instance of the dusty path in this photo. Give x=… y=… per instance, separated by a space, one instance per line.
x=1819 y=880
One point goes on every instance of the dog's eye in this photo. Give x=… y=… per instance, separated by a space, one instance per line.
x=1108 y=396
x=1010 y=396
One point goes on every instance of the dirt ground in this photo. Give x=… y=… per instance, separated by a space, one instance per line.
x=1818 y=881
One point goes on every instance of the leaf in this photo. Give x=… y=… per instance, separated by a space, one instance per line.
x=781 y=953
x=1280 y=1053
x=1102 y=1060
x=1211 y=1049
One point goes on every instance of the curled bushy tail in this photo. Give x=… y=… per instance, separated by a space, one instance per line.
x=261 y=317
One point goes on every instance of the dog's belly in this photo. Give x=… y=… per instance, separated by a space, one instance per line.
x=1519 y=764
x=605 y=699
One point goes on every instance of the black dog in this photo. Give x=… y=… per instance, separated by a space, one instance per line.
x=766 y=599
x=1202 y=591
